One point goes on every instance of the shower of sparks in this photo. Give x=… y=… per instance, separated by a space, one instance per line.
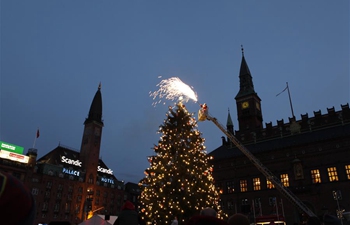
x=173 y=89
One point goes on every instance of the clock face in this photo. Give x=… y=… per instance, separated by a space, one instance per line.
x=245 y=105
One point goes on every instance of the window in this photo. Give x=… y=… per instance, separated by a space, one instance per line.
x=230 y=187
x=243 y=185
x=244 y=201
x=49 y=184
x=222 y=204
x=332 y=174
x=79 y=198
x=230 y=204
x=77 y=208
x=91 y=179
x=256 y=184
x=67 y=207
x=257 y=202
x=285 y=180
x=269 y=184
x=80 y=190
x=57 y=207
x=35 y=191
x=272 y=201
x=347 y=171
x=315 y=176
x=45 y=206
x=60 y=187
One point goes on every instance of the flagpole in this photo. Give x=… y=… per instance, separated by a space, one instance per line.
x=34 y=141
x=36 y=137
x=290 y=100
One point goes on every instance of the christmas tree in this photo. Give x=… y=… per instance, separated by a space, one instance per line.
x=179 y=181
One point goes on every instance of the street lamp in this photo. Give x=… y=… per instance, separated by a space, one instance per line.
x=88 y=202
x=337 y=196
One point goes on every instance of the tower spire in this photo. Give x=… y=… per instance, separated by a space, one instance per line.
x=95 y=112
x=242 y=49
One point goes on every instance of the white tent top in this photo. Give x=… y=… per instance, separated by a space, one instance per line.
x=96 y=220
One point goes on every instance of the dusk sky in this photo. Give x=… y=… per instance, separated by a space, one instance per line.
x=54 y=54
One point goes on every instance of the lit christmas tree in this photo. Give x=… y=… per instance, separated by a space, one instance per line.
x=179 y=181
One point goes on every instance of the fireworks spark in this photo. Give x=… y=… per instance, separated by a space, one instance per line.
x=173 y=89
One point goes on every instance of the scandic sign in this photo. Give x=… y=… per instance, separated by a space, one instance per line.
x=79 y=163
x=11 y=147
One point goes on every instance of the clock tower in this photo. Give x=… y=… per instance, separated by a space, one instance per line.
x=90 y=145
x=247 y=101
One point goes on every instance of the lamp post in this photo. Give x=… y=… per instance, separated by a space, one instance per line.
x=337 y=196
x=88 y=202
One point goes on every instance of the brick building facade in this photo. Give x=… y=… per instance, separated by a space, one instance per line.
x=310 y=156
x=69 y=184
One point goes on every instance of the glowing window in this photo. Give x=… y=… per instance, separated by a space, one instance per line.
x=315 y=176
x=332 y=174
x=243 y=185
x=269 y=184
x=347 y=171
x=256 y=184
x=285 y=180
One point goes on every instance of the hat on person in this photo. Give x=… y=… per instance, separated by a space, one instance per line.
x=238 y=219
x=128 y=205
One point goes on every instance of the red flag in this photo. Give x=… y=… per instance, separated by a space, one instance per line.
x=37 y=133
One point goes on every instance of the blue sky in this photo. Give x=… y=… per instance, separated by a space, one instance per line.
x=55 y=53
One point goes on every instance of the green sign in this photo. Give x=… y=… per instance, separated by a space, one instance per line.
x=11 y=147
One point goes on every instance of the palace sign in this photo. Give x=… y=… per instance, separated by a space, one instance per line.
x=71 y=172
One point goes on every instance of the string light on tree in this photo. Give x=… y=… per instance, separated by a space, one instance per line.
x=179 y=180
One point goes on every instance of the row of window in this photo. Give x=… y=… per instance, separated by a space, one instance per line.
x=232 y=204
x=315 y=178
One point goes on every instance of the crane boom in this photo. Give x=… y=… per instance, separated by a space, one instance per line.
x=267 y=173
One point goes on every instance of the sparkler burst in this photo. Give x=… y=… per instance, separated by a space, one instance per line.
x=173 y=89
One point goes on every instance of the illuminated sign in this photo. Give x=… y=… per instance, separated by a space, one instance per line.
x=11 y=147
x=14 y=156
x=70 y=172
x=103 y=170
x=71 y=161
x=107 y=180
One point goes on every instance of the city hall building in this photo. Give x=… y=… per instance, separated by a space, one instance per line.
x=310 y=156
x=68 y=185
